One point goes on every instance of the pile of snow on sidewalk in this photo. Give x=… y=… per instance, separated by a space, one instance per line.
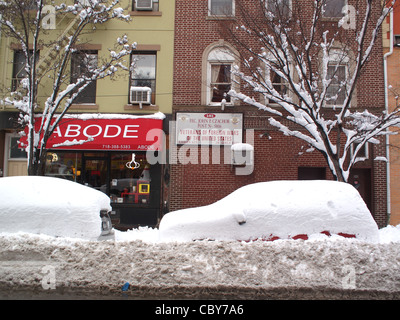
x=193 y=269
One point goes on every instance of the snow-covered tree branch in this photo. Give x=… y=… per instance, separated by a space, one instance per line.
x=23 y=21
x=303 y=61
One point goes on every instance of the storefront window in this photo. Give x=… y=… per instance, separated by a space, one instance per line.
x=64 y=165
x=125 y=177
x=130 y=179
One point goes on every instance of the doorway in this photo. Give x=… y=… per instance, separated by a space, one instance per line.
x=360 y=178
x=135 y=192
x=95 y=172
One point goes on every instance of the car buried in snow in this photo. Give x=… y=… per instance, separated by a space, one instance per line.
x=276 y=210
x=54 y=207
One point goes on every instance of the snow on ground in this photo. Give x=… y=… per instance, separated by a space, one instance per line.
x=323 y=265
x=389 y=234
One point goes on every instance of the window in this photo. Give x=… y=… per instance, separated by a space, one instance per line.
x=64 y=165
x=279 y=8
x=19 y=66
x=18 y=69
x=333 y=8
x=145 y=5
x=338 y=70
x=15 y=152
x=220 y=61
x=336 y=92
x=397 y=40
x=220 y=82
x=107 y=172
x=30 y=5
x=362 y=153
x=272 y=71
x=83 y=63
x=143 y=73
x=221 y=7
x=279 y=84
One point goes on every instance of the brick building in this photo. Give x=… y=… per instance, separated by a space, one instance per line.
x=203 y=177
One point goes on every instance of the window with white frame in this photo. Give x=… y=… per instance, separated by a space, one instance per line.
x=273 y=81
x=221 y=7
x=143 y=73
x=362 y=152
x=279 y=84
x=333 y=8
x=219 y=75
x=338 y=70
x=220 y=82
x=336 y=92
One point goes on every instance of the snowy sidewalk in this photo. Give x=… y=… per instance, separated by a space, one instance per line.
x=43 y=266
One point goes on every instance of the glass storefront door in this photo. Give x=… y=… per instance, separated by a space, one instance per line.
x=95 y=172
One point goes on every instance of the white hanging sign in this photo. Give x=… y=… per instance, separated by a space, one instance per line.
x=209 y=128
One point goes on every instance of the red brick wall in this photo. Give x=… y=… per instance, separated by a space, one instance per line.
x=276 y=158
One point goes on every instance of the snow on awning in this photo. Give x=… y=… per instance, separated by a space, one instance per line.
x=112 y=132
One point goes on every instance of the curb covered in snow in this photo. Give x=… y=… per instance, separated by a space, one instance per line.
x=47 y=267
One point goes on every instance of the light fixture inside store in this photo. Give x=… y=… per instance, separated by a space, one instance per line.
x=133 y=164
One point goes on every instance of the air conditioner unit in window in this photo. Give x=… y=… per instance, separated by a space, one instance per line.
x=140 y=95
x=144 y=4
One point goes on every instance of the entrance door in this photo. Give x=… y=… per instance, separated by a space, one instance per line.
x=95 y=173
x=360 y=178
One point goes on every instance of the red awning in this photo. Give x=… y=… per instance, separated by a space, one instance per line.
x=105 y=132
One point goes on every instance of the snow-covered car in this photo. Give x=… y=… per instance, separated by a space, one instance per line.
x=276 y=210
x=53 y=206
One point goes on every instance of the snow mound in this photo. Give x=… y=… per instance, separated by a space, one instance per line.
x=277 y=209
x=341 y=269
x=145 y=234
x=390 y=234
x=51 y=206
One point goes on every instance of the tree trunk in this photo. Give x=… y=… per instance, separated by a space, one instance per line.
x=338 y=171
x=37 y=164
